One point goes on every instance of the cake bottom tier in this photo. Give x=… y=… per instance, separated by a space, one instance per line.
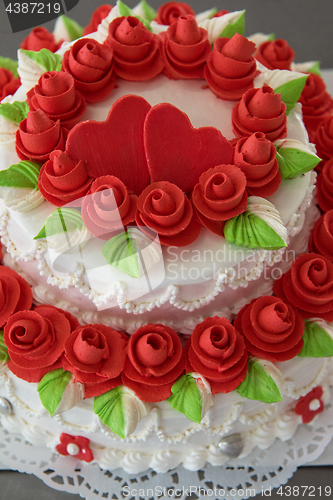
x=164 y=438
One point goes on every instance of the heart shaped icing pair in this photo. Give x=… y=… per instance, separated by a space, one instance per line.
x=138 y=142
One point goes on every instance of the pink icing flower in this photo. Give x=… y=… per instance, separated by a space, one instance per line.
x=76 y=446
x=310 y=405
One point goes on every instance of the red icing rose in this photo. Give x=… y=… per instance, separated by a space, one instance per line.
x=136 y=49
x=219 y=195
x=317 y=104
x=55 y=94
x=169 y=12
x=310 y=405
x=15 y=294
x=185 y=48
x=308 y=285
x=321 y=239
x=40 y=38
x=38 y=136
x=325 y=187
x=108 y=206
x=164 y=209
x=260 y=110
x=230 y=68
x=61 y=180
x=256 y=157
x=91 y=65
x=272 y=328
x=217 y=351
x=154 y=362
x=323 y=139
x=76 y=446
x=95 y=354
x=275 y=54
x=35 y=341
x=8 y=83
x=96 y=18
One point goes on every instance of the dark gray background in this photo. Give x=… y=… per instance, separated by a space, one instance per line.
x=305 y=24
x=308 y=27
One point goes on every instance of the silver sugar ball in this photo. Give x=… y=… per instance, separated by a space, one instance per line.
x=231 y=446
x=5 y=407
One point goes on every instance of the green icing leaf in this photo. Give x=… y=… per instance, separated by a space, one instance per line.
x=4 y=357
x=148 y=11
x=23 y=175
x=110 y=410
x=237 y=27
x=251 y=231
x=15 y=112
x=45 y=58
x=212 y=12
x=62 y=220
x=121 y=252
x=259 y=385
x=315 y=68
x=186 y=398
x=294 y=162
x=123 y=9
x=271 y=37
x=317 y=342
x=291 y=91
x=73 y=28
x=10 y=64
x=52 y=387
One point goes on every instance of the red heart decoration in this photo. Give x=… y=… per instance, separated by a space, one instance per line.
x=115 y=146
x=179 y=153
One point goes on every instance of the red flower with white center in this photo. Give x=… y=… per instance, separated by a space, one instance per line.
x=76 y=446
x=310 y=405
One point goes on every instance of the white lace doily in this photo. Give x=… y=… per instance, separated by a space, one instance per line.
x=260 y=470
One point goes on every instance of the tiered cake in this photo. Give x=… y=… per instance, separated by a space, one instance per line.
x=159 y=300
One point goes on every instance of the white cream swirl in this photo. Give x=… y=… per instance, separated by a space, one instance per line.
x=207 y=398
x=21 y=199
x=29 y=70
x=216 y=25
x=134 y=410
x=73 y=395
